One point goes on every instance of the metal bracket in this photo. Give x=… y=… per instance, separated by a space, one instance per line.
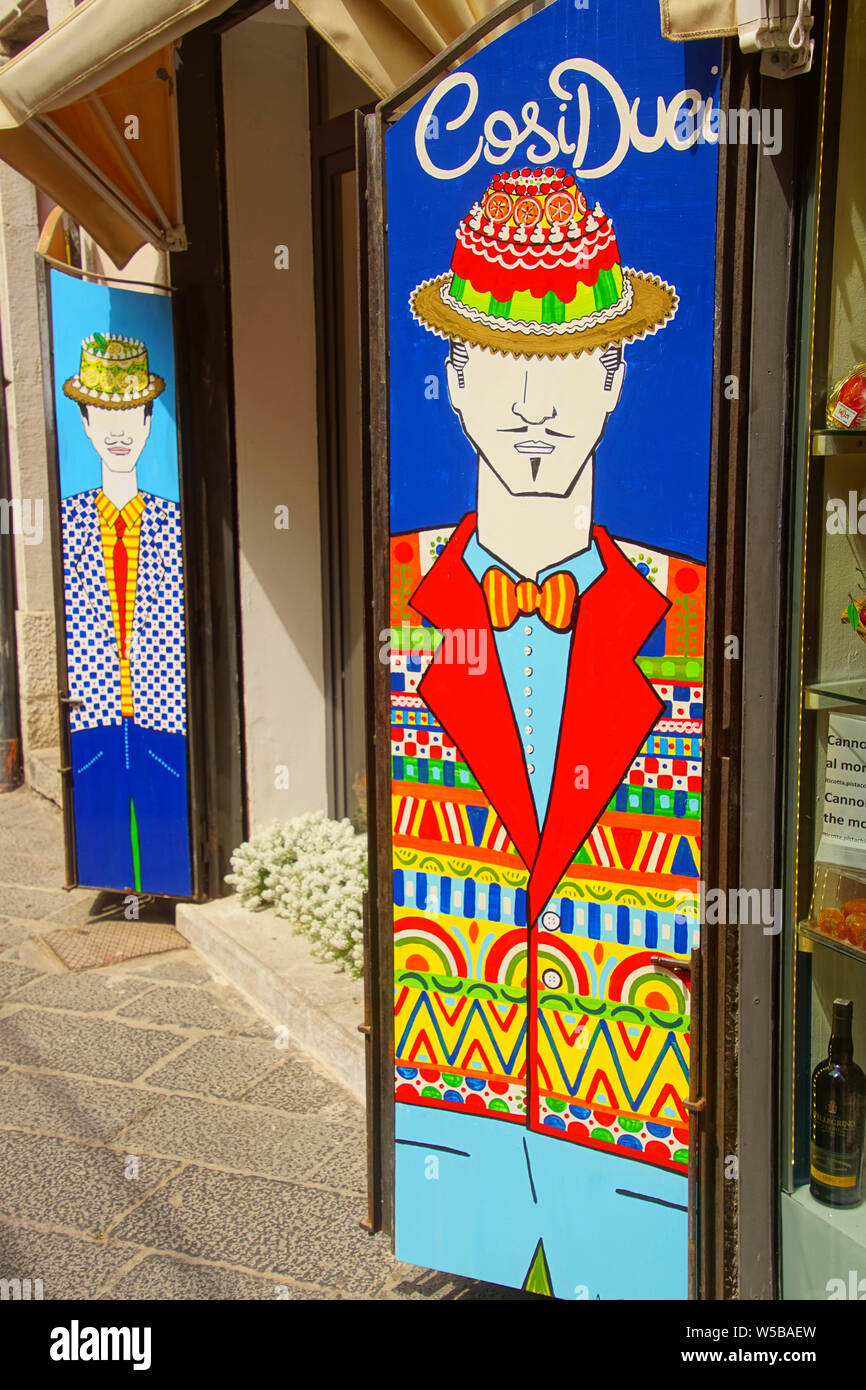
x=667 y=963
x=785 y=52
x=785 y=62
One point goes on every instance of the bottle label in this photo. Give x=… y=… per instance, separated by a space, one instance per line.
x=836 y=1127
x=830 y=1181
x=835 y=1169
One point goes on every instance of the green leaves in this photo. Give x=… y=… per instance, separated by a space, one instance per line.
x=853 y=617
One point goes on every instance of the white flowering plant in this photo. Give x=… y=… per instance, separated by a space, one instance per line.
x=313 y=872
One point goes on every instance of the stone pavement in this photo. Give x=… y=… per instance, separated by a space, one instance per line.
x=154 y=1141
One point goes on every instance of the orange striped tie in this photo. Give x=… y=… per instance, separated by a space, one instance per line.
x=555 y=601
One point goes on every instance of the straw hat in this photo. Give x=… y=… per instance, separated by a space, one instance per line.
x=113 y=374
x=535 y=272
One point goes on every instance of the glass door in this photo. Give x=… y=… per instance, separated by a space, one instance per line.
x=823 y=1214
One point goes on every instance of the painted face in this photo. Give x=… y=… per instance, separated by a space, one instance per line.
x=534 y=420
x=118 y=436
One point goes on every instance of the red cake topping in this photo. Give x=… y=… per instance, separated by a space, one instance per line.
x=533 y=231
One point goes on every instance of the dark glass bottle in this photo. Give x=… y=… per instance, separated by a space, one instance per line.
x=838 y=1117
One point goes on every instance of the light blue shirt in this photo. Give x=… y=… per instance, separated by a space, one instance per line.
x=534 y=661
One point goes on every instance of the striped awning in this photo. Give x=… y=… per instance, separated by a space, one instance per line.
x=88 y=114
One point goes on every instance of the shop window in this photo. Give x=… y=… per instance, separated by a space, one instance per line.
x=823 y=1211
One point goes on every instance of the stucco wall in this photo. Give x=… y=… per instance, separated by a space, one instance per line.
x=269 y=205
x=19 y=323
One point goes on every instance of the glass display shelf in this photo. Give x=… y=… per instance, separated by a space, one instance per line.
x=834 y=694
x=812 y=935
x=822 y=1247
x=836 y=442
x=846 y=1221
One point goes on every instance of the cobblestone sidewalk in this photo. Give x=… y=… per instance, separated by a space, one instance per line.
x=154 y=1142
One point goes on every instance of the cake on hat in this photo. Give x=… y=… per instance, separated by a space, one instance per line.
x=537 y=271
x=113 y=373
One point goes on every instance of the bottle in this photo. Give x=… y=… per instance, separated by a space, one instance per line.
x=838 y=1117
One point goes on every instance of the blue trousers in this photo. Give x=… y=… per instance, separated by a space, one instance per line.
x=130 y=809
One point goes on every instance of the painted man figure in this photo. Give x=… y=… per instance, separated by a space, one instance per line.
x=123 y=580
x=547 y=800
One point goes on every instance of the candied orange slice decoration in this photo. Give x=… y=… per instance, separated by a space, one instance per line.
x=498 y=207
x=559 y=208
x=527 y=211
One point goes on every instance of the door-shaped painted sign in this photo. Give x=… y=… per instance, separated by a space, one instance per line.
x=124 y=641
x=551 y=250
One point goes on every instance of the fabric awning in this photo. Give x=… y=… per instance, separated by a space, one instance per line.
x=698 y=19
x=757 y=23
x=87 y=113
x=97 y=41
x=388 y=41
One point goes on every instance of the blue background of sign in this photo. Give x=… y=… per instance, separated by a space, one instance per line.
x=652 y=467
x=79 y=308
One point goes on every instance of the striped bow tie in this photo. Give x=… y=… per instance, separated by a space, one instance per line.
x=555 y=601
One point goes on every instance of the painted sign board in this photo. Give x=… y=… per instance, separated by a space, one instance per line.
x=551 y=210
x=124 y=636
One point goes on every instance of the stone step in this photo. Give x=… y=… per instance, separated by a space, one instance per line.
x=259 y=954
x=42 y=773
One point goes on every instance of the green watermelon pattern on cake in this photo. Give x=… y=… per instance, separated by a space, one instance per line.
x=532 y=252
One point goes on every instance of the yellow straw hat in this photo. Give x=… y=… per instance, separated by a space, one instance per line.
x=113 y=374
x=536 y=272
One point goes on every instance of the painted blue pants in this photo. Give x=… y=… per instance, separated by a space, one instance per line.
x=129 y=797
x=474 y=1195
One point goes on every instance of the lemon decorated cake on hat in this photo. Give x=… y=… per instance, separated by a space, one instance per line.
x=113 y=373
x=536 y=270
